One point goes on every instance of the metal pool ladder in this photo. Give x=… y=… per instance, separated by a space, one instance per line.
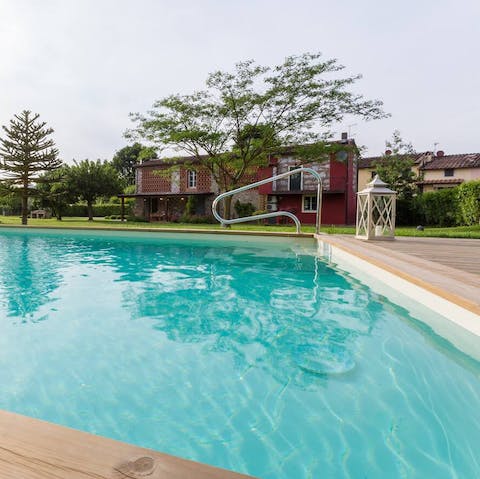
x=296 y=171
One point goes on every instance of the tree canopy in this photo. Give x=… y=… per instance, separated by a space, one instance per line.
x=54 y=190
x=27 y=151
x=240 y=118
x=89 y=180
x=126 y=158
x=396 y=168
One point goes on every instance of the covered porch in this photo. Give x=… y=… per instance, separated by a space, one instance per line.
x=167 y=206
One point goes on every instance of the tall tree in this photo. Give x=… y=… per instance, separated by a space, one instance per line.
x=27 y=152
x=397 y=168
x=126 y=158
x=89 y=180
x=241 y=117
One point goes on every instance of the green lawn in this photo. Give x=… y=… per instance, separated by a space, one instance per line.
x=457 y=232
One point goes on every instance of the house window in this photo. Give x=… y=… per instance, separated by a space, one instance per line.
x=448 y=172
x=309 y=204
x=192 y=179
x=295 y=182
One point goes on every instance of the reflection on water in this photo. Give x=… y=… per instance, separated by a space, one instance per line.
x=29 y=274
x=299 y=327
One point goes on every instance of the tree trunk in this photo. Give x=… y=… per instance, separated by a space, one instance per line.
x=227 y=205
x=57 y=213
x=25 y=205
x=90 y=210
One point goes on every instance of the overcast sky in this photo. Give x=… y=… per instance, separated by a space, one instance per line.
x=84 y=65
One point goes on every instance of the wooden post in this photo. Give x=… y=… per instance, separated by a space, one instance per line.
x=122 y=214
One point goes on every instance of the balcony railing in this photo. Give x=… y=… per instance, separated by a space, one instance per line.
x=330 y=184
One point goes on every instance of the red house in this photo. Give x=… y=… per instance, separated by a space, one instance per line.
x=164 y=186
x=297 y=193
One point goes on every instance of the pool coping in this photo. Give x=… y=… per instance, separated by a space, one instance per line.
x=35 y=449
x=284 y=234
x=451 y=295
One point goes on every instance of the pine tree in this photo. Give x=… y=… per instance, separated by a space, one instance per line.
x=26 y=152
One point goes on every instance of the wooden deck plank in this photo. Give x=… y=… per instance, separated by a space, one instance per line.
x=458 y=253
x=417 y=262
x=34 y=449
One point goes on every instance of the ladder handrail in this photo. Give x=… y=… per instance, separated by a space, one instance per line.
x=273 y=213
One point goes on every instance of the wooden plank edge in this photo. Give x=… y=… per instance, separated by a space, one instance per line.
x=452 y=297
x=35 y=449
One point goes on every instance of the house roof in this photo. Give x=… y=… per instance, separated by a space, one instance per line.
x=369 y=161
x=171 y=161
x=429 y=162
x=441 y=181
x=465 y=160
x=195 y=160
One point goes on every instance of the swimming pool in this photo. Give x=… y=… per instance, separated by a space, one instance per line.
x=250 y=354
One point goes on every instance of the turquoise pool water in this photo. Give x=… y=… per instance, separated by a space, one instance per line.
x=253 y=356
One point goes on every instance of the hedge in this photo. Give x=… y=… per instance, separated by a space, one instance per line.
x=98 y=210
x=459 y=206
x=468 y=195
x=440 y=208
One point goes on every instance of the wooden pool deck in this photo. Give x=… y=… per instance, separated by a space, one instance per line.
x=447 y=267
x=33 y=449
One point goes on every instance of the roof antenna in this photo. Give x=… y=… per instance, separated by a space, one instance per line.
x=350 y=128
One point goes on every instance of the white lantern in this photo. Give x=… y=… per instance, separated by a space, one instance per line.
x=376 y=211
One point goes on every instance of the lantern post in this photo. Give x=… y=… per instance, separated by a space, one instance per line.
x=376 y=211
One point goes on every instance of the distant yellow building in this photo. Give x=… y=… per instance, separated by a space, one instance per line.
x=438 y=171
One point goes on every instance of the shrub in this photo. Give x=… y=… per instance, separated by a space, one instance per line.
x=136 y=219
x=191 y=206
x=263 y=221
x=440 y=208
x=243 y=209
x=98 y=210
x=468 y=198
x=409 y=211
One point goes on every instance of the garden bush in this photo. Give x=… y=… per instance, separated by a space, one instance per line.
x=440 y=208
x=243 y=209
x=190 y=206
x=409 y=211
x=137 y=219
x=468 y=199
x=106 y=209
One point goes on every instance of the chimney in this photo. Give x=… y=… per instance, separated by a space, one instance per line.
x=344 y=136
x=427 y=157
